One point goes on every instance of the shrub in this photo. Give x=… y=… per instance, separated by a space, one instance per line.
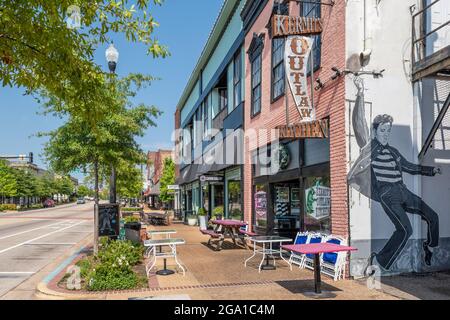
x=8 y=207
x=106 y=277
x=129 y=219
x=202 y=212
x=131 y=209
x=218 y=211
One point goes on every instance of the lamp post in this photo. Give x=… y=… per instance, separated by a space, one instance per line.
x=112 y=56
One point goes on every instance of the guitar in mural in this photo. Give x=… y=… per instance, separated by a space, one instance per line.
x=378 y=174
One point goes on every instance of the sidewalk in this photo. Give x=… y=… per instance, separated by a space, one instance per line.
x=222 y=275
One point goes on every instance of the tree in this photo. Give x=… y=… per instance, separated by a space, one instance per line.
x=129 y=181
x=38 y=51
x=77 y=145
x=8 y=182
x=83 y=191
x=167 y=178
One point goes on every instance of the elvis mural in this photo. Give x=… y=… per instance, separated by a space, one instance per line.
x=378 y=174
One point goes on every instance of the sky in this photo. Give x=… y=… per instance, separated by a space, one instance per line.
x=184 y=27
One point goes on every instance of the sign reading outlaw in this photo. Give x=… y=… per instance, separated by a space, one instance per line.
x=296 y=54
x=312 y=129
x=291 y=25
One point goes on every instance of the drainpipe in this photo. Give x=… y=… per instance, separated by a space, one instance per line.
x=367 y=50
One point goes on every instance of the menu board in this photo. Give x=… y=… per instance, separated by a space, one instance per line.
x=108 y=220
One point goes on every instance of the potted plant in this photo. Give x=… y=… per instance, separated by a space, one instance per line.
x=202 y=218
x=218 y=213
x=192 y=220
x=132 y=229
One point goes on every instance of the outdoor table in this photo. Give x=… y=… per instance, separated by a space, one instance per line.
x=151 y=251
x=167 y=233
x=268 y=251
x=316 y=249
x=157 y=218
x=230 y=227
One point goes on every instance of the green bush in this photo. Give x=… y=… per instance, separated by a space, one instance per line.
x=218 y=211
x=202 y=212
x=106 y=277
x=129 y=219
x=131 y=209
x=8 y=207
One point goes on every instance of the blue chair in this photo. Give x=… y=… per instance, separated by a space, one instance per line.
x=300 y=238
x=334 y=264
x=309 y=258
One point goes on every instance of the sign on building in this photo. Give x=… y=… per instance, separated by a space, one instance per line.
x=293 y=25
x=211 y=178
x=312 y=129
x=173 y=187
x=296 y=54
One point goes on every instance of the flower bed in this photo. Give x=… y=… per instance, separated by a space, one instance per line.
x=118 y=266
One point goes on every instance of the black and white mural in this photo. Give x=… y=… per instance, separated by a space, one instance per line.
x=378 y=173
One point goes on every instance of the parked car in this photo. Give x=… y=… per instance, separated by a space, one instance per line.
x=81 y=201
x=49 y=203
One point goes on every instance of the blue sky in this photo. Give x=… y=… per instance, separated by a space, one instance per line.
x=184 y=28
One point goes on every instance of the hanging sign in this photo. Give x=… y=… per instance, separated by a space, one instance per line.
x=296 y=54
x=294 y=25
x=312 y=129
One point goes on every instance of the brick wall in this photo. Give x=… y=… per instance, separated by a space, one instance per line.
x=329 y=101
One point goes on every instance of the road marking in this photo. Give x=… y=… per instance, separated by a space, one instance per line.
x=51 y=244
x=16 y=272
x=19 y=233
x=40 y=237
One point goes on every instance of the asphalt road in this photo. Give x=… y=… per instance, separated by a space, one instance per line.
x=31 y=240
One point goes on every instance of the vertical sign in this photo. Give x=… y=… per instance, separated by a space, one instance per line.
x=297 y=51
x=109 y=220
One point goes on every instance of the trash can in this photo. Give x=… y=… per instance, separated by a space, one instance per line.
x=133 y=231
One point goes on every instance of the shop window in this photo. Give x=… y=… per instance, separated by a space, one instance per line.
x=287 y=206
x=217 y=201
x=313 y=9
x=234 y=200
x=317 y=209
x=205 y=197
x=206 y=119
x=260 y=205
x=278 y=76
x=223 y=98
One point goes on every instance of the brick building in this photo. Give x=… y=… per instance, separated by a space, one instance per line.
x=155 y=166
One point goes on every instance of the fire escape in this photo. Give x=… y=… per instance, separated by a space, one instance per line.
x=431 y=53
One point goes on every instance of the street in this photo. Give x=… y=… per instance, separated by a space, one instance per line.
x=29 y=241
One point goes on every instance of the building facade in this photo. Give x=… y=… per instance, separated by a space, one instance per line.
x=154 y=170
x=371 y=162
x=209 y=117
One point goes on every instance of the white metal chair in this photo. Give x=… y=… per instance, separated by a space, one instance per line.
x=300 y=238
x=334 y=264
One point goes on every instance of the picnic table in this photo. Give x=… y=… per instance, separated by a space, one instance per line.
x=316 y=249
x=267 y=250
x=225 y=228
x=153 y=255
x=157 y=218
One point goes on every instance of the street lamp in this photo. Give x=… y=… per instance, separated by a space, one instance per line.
x=112 y=56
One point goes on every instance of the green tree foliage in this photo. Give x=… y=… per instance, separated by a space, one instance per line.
x=8 y=182
x=38 y=51
x=112 y=142
x=167 y=178
x=129 y=181
x=84 y=191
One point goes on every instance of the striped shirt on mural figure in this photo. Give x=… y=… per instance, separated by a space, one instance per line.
x=386 y=168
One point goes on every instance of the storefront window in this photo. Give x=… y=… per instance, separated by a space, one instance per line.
x=218 y=195
x=317 y=204
x=287 y=206
x=234 y=199
x=260 y=205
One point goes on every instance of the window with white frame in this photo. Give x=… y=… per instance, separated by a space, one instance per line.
x=278 y=78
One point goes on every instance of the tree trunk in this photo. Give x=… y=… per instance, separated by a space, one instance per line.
x=96 y=209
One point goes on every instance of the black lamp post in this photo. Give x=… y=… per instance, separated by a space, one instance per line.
x=112 y=56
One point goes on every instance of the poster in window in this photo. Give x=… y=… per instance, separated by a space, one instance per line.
x=261 y=208
x=295 y=201
x=318 y=201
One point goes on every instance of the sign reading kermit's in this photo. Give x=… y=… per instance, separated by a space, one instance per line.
x=293 y=25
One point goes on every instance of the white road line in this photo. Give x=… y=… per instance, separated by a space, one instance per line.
x=51 y=244
x=18 y=272
x=40 y=237
x=19 y=233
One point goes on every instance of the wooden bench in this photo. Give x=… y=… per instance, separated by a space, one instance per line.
x=248 y=233
x=214 y=235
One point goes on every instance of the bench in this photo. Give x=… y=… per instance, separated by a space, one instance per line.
x=214 y=235
x=248 y=233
